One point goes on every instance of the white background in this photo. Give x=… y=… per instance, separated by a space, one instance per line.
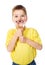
x=36 y=19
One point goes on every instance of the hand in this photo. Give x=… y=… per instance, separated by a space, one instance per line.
x=22 y=39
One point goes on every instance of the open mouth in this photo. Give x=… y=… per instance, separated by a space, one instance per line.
x=20 y=21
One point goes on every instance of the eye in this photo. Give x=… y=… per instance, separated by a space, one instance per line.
x=22 y=15
x=16 y=21
x=16 y=16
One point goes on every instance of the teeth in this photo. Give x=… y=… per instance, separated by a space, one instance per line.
x=21 y=23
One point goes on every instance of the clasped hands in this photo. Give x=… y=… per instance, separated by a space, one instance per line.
x=20 y=36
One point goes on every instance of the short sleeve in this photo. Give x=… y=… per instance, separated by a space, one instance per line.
x=33 y=35
x=10 y=34
x=36 y=36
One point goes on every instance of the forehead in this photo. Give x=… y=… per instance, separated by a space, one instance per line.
x=18 y=12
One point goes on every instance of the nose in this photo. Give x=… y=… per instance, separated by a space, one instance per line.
x=19 y=18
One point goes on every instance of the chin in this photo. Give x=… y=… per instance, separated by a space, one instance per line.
x=20 y=26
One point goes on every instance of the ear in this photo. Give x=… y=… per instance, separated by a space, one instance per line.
x=12 y=18
x=25 y=19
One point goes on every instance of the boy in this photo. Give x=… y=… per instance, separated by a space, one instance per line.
x=22 y=42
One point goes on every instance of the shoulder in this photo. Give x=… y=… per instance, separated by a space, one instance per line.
x=11 y=31
x=31 y=29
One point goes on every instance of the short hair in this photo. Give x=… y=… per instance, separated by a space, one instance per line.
x=19 y=7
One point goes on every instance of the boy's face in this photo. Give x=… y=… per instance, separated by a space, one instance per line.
x=19 y=17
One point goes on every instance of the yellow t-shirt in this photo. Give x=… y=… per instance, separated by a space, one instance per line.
x=23 y=52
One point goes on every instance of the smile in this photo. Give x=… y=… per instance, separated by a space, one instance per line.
x=20 y=21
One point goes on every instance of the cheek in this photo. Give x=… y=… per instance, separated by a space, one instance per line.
x=25 y=18
x=13 y=19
